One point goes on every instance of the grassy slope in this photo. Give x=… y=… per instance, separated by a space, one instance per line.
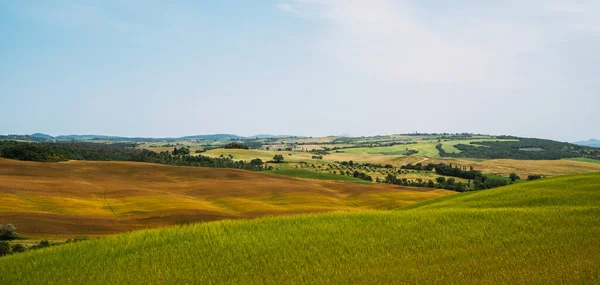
x=98 y=198
x=541 y=232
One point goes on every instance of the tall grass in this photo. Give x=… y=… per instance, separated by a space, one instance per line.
x=542 y=232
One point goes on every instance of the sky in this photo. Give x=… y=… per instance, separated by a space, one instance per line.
x=300 y=67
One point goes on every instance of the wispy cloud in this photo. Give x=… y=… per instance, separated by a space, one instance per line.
x=400 y=42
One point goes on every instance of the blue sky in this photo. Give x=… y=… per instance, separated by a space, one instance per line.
x=304 y=67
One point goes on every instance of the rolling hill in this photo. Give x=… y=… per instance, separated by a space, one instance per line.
x=86 y=198
x=542 y=232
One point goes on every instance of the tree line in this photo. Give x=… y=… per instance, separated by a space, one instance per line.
x=53 y=152
x=521 y=148
x=476 y=179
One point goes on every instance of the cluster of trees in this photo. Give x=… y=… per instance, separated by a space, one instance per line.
x=8 y=233
x=441 y=183
x=446 y=170
x=116 y=152
x=363 y=165
x=524 y=148
x=181 y=151
x=204 y=161
x=479 y=183
x=278 y=158
x=362 y=175
x=64 y=151
x=477 y=180
x=323 y=151
x=236 y=145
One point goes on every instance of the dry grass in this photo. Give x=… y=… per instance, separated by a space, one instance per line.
x=98 y=198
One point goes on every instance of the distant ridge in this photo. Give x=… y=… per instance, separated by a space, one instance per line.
x=41 y=136
x=590 y=142
x=267 y=136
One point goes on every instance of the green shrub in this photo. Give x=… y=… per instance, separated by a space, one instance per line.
x=4 y=248
x=18 y=248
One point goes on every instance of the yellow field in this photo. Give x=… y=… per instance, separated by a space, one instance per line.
x=98 y=198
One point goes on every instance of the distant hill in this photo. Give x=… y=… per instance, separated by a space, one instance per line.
x=23 y=138
x=214 y=137
x=87 y=137
x=267 y=136
x=211 y=137
x=42 y=136
x=590 y=142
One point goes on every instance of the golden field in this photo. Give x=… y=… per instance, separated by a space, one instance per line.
x=86 y=198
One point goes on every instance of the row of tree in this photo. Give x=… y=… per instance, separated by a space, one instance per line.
x=479 y=183
x=50 y=152
x=446 y=170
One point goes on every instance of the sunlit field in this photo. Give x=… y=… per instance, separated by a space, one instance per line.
x=543 y=232
x=98 y=198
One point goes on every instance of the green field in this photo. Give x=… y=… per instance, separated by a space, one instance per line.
x=540 y=232
x=581 y=159
x=426 y=148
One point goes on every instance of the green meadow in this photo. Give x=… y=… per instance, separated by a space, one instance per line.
x=582 y=159
x=539 y=232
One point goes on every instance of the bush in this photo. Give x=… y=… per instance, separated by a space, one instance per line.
x=16 y=248
x=236 y=145
x=4 y=248
x=534 y=177
x=514 y=177
x=42 y=244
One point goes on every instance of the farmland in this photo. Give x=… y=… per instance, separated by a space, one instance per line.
x=393 y=156
x=541 y=232
x=86 y=198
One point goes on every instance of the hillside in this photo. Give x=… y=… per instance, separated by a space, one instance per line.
x=542 y=232
x=98 y=198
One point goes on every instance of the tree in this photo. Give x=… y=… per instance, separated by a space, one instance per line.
x=534 y=177
x=278 y=158
x=7 y=233
x=430 y=184
x=441 y=180
x=514 y=177
x=256 y=162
